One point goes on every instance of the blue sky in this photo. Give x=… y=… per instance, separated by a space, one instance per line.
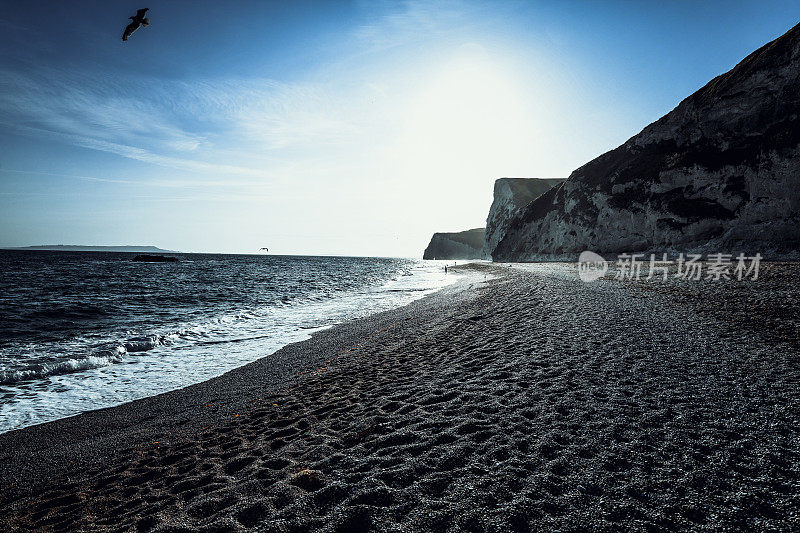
x=352 y=128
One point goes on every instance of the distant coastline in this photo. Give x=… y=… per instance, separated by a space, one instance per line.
x=81 y=248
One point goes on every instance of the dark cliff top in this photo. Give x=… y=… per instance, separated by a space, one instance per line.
x=89 y=248
x=469 y=237
x=446 y=245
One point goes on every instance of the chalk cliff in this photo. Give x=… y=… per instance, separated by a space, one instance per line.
x=511 y=195
x=462 y=245
x=721 y=172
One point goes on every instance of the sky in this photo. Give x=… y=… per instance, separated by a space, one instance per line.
x=328 y=128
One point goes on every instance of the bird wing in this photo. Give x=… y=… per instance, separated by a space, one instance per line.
x=140 y=12
x=129 y=29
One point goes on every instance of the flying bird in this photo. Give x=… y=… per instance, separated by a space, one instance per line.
x=136 y=22
x=267 y=249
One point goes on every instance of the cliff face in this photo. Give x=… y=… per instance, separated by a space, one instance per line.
x=511 y=195
x=721 y=172
x=462 y=245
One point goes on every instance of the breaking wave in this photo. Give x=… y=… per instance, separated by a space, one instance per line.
x=112 y=330
x=57 y=368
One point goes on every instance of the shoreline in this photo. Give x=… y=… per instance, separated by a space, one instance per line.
x=171 y=412
x=533 y=401
x=123 y=354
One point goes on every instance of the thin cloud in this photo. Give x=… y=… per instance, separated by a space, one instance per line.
x=257 y=186
x=415 y=18
x=207 y=126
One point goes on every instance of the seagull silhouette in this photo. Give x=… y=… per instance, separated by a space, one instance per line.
x=136 y=22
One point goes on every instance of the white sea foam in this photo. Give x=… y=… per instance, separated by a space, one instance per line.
x=67 y=366
x=142 y=364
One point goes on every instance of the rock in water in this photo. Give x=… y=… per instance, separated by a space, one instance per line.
x=148 y=258
x=511 y=195
x=721 y=172
x=462 y=245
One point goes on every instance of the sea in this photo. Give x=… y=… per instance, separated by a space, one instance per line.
x=86 y=330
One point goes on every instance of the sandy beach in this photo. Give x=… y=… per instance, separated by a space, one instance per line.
x=528 y=400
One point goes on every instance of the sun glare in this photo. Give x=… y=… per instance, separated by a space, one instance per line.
x=468 y=122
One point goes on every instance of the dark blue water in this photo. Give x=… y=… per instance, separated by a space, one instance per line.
x=90 y=329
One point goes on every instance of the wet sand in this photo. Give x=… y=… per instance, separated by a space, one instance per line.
x=532 y=401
